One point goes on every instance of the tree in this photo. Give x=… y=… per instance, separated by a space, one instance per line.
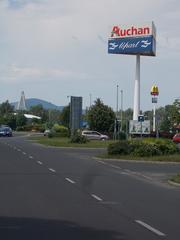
x=101 y=117
x=65 y=116
x=39 y=111
x=6 y=108
x=21 y=120
x=176 y=112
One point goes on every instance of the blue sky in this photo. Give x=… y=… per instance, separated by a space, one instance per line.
x=52 y=49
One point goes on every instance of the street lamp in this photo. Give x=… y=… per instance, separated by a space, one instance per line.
x=121 y=109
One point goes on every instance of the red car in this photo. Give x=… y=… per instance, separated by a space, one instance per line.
x=176 y=138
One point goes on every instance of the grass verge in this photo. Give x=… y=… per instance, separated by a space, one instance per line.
x=65 y=142
x=176 y=178
x=163 y=158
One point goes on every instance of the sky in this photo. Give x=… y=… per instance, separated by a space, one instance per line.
x=52 y=49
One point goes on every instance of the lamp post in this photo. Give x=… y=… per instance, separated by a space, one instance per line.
x=116 y=117
x=121 y=109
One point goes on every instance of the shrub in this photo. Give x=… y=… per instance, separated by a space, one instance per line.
x=78 y=138
x=121 y=136
x=146 y=150
x=121 y=147
x=20 y=128
x=143 y=148
x=50 y=135
x=60 y=130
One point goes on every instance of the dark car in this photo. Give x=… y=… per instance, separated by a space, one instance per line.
x=5 y=132
x=176 y=138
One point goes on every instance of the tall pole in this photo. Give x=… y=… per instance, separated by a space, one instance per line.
x=90 y=98
x=121 y=109
x=115 y=122
x=136 y=109
x=117 y=100
x=154 y=118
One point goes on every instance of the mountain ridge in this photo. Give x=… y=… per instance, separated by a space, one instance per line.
x=36 y=101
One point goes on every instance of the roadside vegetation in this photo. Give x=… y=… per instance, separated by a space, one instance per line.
x=176 y=178
x=144 y=149
x=67 y=142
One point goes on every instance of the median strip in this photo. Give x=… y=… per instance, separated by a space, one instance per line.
x=145 y=225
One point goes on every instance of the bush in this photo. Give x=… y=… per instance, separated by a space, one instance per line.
x=60 y=130
x=78 y=138
x=20 y=128
x=121 y=147
x=143 y=148
x=146 y=150
x=121 y=136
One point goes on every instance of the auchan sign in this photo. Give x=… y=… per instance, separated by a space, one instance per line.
x=133 y=39
x=132 y=31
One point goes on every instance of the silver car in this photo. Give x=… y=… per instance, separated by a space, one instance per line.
x=94 y=135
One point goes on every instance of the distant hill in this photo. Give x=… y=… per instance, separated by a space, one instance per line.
x=35 y=101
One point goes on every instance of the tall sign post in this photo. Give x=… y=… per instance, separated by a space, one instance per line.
x=134 y=39
x=154 y=93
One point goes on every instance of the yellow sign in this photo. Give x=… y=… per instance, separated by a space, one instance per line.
x=154 y=90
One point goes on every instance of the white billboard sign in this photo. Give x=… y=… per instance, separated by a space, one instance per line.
x=136 y=127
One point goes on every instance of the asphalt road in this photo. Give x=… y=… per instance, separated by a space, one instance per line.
x=57 y=193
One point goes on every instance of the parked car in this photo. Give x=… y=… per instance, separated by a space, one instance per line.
x=46 y=132
x=94 y=135
x=176 y=138
x=5 y=132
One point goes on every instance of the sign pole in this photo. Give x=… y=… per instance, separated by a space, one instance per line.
x=154 y=118
x=136 y=109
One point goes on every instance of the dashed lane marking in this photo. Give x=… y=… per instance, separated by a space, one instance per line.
x=154 y=230
x=70 y=180
x=96 y=197
x=52 y=170
x=39 y=162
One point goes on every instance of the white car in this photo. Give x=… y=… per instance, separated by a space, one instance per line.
x=94 y=135
x=46 y=132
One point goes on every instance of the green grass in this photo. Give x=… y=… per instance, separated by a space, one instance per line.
x=176 y=178
x=164 y=158
x=65 y=142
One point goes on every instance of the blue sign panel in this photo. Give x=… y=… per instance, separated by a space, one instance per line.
x=137 y=45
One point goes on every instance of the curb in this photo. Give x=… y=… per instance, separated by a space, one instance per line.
x=135 y=161
x=174 y=183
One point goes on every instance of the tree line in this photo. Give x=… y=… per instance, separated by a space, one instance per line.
x=99 y=117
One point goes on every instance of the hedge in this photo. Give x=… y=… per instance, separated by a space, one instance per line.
x=143 y=148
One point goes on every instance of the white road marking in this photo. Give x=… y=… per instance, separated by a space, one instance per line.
x=19 y=150
x=52 y=170
x=39 y=162
x=31 y=157
x=150 y=228
x=103 y=162
x=69 y=180
x=96 y=197
x=24 y=153
x=114 y=166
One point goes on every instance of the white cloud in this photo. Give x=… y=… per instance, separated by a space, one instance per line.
x=14 y=73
